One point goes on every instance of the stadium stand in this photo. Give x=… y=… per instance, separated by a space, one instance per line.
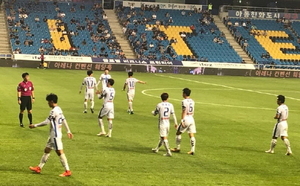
x=268 y=42
x=60 y=29
x=161 y=34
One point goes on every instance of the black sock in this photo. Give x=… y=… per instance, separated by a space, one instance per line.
x=30 y=118
x=21 y=118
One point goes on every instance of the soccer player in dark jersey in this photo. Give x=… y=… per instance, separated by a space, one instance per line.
x=25 y=97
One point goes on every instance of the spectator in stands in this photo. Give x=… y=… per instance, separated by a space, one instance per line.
x=62 y=39
x=37 y=19
x=244 y=25
x=298 y=40
x=212 y=31
x=245 y=45
x=45 y=19
x=17 y=42
x=265 y=33
x=82 y=7
x=193 y=28
x=41 y=49
x=72 y=9
x=154 y=17
x=167 y=14
x=183 y=35
x=104 y=17
x=83 y=42
x=57 y=8
x=183 y=13
x=236 y=23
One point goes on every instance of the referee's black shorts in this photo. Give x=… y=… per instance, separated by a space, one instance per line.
x=26 y=103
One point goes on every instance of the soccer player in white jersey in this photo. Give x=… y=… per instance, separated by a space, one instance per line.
x=103 y=78
x=187 y=121
x=281 y=127
x=130 y=84
x=108 y=107
x=56 y=120
x=164 y=110
x=90 y=84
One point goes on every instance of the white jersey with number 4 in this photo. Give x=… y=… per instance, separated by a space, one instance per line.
x=103 y=78
x=90 y=84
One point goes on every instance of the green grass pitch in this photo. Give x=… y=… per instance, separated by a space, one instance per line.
x=234 y=119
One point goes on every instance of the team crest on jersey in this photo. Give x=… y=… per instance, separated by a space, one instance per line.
x=29 y=88
x=25 y=89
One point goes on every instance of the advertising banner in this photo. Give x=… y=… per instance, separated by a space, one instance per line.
x=174 y=6
x=136 y=61
x=254 y=14
x=30 y=57
x=218 y=65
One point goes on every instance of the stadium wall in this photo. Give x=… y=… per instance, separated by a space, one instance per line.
x=147 y=68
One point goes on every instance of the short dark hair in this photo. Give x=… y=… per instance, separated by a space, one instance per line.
x=111 y=82
x=52 y=97
x=89 y=72
x=187 y=91
x=130 y=73
x=106 y=69
x=281 y=98
x=25 y=74
x=164 y=96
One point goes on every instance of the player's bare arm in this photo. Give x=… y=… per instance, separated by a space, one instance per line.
x=46 y=122
x=81 y=88
x=175 y=121
x=183 y=113
x=32 y=96
x=19 y=97
x=124 y=87
x=277 y=116
x=65 y=123
x=142 y=82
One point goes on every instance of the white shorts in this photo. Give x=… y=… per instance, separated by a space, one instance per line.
x=54 y=143
x=164 y=130
x=190 y=126
x=107 y=111
x=280 y=129
x=130 y=96
x=89 y=94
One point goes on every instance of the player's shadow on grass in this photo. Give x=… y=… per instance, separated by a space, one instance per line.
x=129 y=147
x=242 y=148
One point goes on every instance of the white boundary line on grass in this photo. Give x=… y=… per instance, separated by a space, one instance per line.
x=214 y=104
x=225 y=86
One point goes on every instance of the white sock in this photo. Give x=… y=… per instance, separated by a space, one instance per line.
x=159 y=143
x=44 y=160
x=178 y=141
x=92 y=104
x=85 y=105
x=287 y=144
x=273 y=144
x=166 y=144
x=110 y=126
x=130 y=106
x=101 y=125
x=64 y=161
x=193 y=143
